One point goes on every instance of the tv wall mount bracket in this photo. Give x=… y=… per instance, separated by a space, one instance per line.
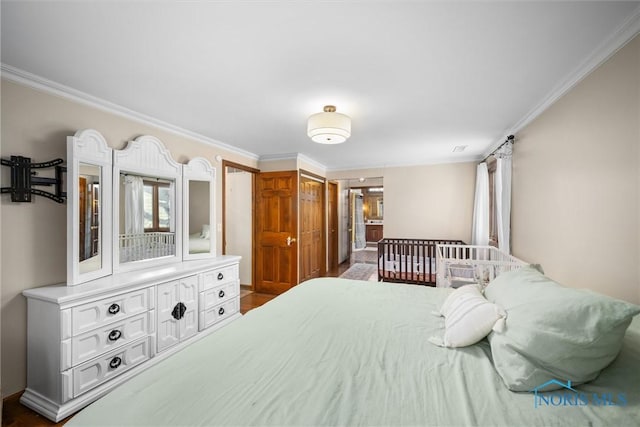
x=23 y=178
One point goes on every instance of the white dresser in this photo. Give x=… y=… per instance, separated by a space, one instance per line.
x=84 y=340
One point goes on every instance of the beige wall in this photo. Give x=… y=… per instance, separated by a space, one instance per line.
x=429 y=202
x=576 y=191
x=33 y=246
x=424 y=202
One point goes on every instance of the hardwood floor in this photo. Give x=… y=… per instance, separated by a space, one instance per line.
x=254 y=300
x=14 y=414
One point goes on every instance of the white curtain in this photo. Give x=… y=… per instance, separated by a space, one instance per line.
x=503 y=202
x=480 y=228
x=133 y=205
x=358 y=220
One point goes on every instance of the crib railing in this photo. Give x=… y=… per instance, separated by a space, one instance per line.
x=136 y=247
x=409 y=260
x=461 y=264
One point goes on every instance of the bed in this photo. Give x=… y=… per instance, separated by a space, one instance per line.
x=344 y=352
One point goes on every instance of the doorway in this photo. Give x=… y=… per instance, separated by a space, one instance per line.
x=238 y=183
x=361 y=203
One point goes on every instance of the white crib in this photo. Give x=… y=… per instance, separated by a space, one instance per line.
x=458 y=265
x=136 y=247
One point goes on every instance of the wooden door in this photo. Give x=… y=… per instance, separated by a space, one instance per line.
x=312 y=248
x=276 y=216
x=82 y=218
x=332 y=226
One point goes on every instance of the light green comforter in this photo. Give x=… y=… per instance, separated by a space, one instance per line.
x=343 y=352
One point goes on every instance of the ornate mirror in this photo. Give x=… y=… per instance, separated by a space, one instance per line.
x=199 y=179
x=89 y=192
x=147 y=208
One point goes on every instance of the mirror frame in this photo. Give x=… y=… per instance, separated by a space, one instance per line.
x=146 y=156
x=88 y=146
x=199 y=169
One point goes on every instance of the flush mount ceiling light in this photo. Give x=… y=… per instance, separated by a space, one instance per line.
x=329 y=127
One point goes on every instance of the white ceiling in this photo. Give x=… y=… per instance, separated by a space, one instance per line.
x=417 y=77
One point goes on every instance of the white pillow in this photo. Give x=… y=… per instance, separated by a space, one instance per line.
x=453 y=296
x=469 y=317
x=205 y=231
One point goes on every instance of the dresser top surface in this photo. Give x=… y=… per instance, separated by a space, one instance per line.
x=122 y=282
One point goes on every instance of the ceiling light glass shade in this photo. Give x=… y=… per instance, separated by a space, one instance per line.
x=329 y=127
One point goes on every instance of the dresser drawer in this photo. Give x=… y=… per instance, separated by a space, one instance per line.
x=93 y=373
x=99 y=313
x=215 y=314
x=217 y=277
x=108 y=337
x=219 y=294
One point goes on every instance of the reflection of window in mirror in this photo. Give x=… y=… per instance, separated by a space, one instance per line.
x=89 y=218
x=157 y=208
x=146 y=218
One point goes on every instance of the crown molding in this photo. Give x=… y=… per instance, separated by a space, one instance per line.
x=277 y=157
x=25 y=78
x=312 y=162
x=292 y=156
x=622 y=35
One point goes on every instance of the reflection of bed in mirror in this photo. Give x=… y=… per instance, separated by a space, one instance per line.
x=198 y=196
x=199 y=243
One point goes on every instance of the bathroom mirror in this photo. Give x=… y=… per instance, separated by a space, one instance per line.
x=199 y=213
x=148 y=205
x=374 y=202
x=89 y=195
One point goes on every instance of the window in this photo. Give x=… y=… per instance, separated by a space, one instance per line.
x=493 y=207
x=157 y=206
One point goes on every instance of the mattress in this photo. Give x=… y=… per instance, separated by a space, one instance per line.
x=344 y=352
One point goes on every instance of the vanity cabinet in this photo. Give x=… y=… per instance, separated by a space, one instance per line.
x=86 y=339
x=177 y=311
x=374 y=232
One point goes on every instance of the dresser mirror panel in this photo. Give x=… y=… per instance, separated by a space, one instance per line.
x=89 y=164
x=199 y=196
x=148 y=206
x=146 y=218
x=89 y=206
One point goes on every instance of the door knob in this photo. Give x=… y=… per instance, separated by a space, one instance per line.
x=290 y=240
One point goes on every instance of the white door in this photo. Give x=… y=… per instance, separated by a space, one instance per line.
x=168 y=326
x=189 y=297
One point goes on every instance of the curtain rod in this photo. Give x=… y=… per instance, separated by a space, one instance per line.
x=510 y=139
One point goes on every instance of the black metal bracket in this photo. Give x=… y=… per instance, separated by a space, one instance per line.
x=23 y=178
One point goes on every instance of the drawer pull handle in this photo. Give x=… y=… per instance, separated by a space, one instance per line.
x=221 y=311
x=114 y=308
x=115 y=362
x=220 y=276
x=178 y=311
x=115 y=335
x=221 y=294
